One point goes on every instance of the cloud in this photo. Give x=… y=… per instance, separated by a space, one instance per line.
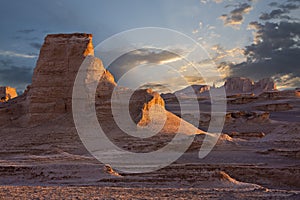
x=236 y=16
x=194 y=80
x=26 y=31
x=281 y=12
x=14 y=54
x=274 y=53
x=157 y=87
x=35 y=45
x=18 y=77
x=139 y=57
x=218 y=1
x=204 y=1
x=272 y=39
x=273 y=4
x=173 y=84
x=15 y=74
x=289 y=6
x=215 y=1
x=272 y=15
x=286 y=80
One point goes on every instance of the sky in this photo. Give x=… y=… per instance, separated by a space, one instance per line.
x=249 y=38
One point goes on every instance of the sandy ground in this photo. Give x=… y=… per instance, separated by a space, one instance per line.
x=110 y=193
x=51 y=163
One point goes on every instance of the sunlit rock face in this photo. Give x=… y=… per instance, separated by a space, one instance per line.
x=9 y=109
x=147 y=106
x=7 y=93
x=240 y=85
x=140 y=104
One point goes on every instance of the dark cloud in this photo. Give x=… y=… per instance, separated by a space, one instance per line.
x=272 y=38
x=6 y=62
x=26 y=31
x=236 y=16
x=275 y=53
x=290 y=6
x=14 y=76
x=35 y=45
x=280 y=13
x=273 y=4
x=274 y=14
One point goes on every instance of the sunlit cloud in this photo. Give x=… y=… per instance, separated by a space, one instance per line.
x=284 y=81
x=236 y=17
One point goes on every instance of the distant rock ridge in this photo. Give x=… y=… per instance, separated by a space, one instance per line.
x=7 y=93
x=193 y=90
x=233 y=86
x=240 y=85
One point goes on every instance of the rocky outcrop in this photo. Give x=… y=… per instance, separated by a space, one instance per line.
x=7 y=93
x=241 y=100
x=246 y=116
x=297 y=92
x=192 y=90
x=140 y=104
x=51 y=90
x=148 y=107
x=239 y=89
x=240 y=85
x=263 y=85
x=275 y=107
x=246 y=135
x=270 y=95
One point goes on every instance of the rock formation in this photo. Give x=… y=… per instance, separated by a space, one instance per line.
x=7 y=93
x=246 y=116
x=51 y=90
x=235 y=87
x=140 y=104
x=275 y=107
x=297 y=92
x=50 y=94
x=50 y=152
x=193 y=90
x=266 y=84
x=240 y=85
x=142 y=101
